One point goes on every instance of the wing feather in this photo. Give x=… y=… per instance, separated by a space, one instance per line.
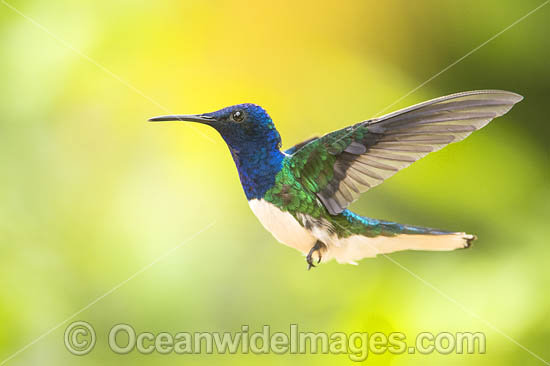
x=341 y=165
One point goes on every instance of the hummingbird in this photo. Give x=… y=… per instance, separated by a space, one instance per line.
x=301 y=194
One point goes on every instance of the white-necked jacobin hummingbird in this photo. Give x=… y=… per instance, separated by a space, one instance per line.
x=300 y=195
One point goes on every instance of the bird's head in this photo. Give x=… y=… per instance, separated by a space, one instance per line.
x=243 y=126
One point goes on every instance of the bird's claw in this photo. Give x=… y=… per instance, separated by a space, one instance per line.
x=309 y=258
x=310 y=262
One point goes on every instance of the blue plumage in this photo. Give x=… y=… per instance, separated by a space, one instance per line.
x=254 y=144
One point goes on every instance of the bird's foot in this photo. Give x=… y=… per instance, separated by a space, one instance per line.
x=309 y=258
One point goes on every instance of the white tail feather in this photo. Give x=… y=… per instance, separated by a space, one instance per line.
x=356 y=247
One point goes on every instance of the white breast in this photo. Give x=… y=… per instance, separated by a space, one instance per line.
x=284 y=227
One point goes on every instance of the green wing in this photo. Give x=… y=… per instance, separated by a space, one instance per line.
x=341 y=165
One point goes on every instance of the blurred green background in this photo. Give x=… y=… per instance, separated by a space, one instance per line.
x=91 y=193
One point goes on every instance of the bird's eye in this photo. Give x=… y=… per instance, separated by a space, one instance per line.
x=237 y=116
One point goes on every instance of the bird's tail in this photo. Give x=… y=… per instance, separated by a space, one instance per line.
x=381 y=237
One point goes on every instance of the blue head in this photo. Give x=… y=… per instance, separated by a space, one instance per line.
x=252 y=139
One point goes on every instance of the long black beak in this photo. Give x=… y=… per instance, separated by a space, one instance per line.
x=184 y=117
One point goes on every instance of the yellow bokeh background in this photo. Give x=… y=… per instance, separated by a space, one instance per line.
x=92 y=194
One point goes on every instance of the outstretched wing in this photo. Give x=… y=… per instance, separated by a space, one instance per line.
x=341 y=165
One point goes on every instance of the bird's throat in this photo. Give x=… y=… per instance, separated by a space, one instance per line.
x=257 y=169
